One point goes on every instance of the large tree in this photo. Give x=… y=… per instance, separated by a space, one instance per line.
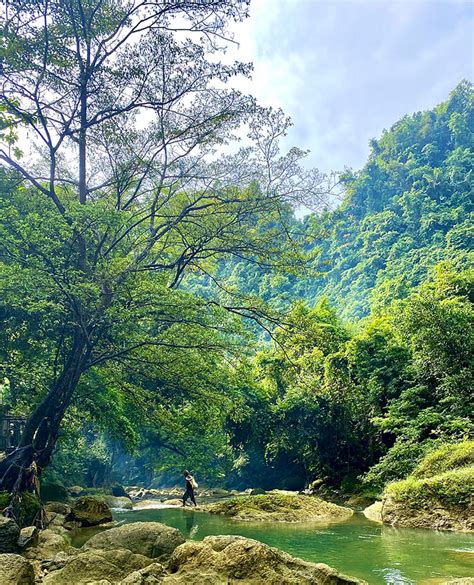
x=116 y=116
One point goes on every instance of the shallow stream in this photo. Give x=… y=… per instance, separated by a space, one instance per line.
x=358 y=547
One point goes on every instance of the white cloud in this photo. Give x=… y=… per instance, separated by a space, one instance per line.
x=344 y=70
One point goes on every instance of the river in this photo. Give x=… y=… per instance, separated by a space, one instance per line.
x=379 y=554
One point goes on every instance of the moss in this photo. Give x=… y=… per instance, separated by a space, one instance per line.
x=446 y=458
x=28 y=509
x=52 y=491
x=452 y=489
x=279 y=507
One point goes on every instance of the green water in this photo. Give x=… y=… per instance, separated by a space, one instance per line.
x=358 y=547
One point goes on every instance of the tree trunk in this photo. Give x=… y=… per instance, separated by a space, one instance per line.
x=21 y=470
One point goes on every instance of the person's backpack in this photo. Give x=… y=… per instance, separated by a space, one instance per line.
x=194 y=483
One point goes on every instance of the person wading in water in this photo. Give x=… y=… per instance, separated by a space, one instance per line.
x=191 y=485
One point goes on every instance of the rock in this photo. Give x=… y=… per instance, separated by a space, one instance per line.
x=57 y=508
x=143 y=504
x=53 y=564
x=374 y=512
x=257 y=492
x=397 y=513
x=150 y=539
x=15 y=570
x=9 y=533
x=137 y=494
x=124 y=503
x=281 y=508
x=53 y=520
x=76 y=490
x=154 y=493
x=28 y=537
x=364 y=501
x=150 y=575
x=96 y=565
x=442 y=501
x=219 y=560
x=49 y=544
x=90 y=511
x=53 y=491
x=173 y=502
x=119 y=491
x=219 y=492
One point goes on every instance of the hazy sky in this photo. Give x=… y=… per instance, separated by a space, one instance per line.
x=346 y=69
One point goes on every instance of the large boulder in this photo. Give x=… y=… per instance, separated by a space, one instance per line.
x=281 y=508
x=219 y=560
x=150 y=539
x=15 y=570
x=90 y=511
x=91 y=566
x=9 y=533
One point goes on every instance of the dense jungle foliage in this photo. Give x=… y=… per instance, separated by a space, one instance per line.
x=407 y=209
x=367 y=368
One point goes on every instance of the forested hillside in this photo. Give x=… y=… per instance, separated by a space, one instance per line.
x=407 y=209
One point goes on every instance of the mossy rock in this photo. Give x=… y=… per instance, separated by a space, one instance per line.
x=29 y=506
x=52 y=491
x=90 y=511
x=280 y=508
x=443 y=502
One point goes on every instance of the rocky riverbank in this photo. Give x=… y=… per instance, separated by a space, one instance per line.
x=147 y=553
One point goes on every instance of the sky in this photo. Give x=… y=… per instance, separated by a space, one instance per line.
x=346 y=69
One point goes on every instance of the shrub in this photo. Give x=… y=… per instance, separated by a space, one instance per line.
x=446 y=458
x=452 y=489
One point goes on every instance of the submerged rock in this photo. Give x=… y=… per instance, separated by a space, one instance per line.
x=90 y=511
x=151 y=539
x=219 y=560
x=280 y=508
x=15 y=570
